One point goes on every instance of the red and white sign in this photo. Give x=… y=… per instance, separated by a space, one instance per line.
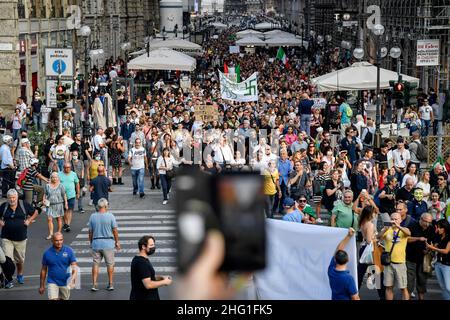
x=428 y=52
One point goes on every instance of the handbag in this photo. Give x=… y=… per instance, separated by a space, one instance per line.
x=386 y=256
x=427 y=262
x=367 y=255
x=170 y=174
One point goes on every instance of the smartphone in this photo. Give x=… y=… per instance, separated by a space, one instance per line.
x=233 y=204
x=387 y=224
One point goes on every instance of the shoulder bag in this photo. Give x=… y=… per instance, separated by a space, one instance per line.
x=386 y=256
x=170 y=174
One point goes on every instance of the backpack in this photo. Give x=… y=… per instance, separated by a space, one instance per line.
x=22 y=178
x=421 y=152
x=368 y=138
x=348 y=111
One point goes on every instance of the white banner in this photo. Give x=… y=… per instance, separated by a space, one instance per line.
x=241 y=92
x=428 y=52
x=298 y=256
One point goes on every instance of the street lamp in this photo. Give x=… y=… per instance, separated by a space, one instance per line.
x=382 y=52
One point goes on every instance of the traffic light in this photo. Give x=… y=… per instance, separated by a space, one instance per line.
x=398 y=90
x=62 y=97
x=410 y=96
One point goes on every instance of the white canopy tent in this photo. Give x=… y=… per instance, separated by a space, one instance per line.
x=163 y=59
x=267 y=26
x=291 y=42
x=359 y=76
x=249 y=32
x=219 y=25
x=181 y=45
x=278 y=33
x=251 y=41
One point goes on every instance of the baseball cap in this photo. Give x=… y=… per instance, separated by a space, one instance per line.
x=309 y=211
x=288 y=202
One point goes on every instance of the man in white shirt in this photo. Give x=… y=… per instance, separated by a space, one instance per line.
x=222 y=153
x=23 y=111
x=137 y=159
x=268 y=156
x=98 y=139
x=401 y=157
x=426 y=117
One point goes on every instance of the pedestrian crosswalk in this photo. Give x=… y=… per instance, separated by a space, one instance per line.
x=133 y=224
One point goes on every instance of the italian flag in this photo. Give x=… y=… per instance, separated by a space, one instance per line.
x=281 y=55
x=233 y=70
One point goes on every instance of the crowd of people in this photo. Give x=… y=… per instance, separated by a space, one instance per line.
x=316 y=154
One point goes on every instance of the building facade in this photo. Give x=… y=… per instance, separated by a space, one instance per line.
x=405 y=21
x=235 y=6
x=29 y=26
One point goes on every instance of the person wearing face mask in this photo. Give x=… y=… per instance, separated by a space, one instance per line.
x=144 y=281
x=417 y=205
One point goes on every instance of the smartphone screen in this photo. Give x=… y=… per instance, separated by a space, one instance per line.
x=387 y=224
x=240 y=202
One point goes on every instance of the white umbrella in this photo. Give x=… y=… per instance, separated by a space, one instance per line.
x=251 y=41
x=267 y=26
x=249 y=32
x=181 y=45
x=291 y=42
x=359 y=76
x=163 y=59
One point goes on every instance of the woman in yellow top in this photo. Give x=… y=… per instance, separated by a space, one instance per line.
x=95 y=162
x=271 y=185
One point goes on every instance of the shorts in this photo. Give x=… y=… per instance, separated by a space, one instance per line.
x=56 y=292
x=108 y=254
x=396 y=272
x=15 y=249
x=71 y=203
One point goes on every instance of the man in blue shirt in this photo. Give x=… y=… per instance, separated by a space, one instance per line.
x=343 y=286
x=284 y=169
x=104 y=238
x=292 y=213
x=305 y=111
x=55 y=263
x=7 y=168
x=99 y=186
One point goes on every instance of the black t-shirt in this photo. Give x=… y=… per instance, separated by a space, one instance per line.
x=141 y=268
x=404 y=195
x=443 y=258
x=36 y=105
x=14 y=228
x=327 y=200
x=414 y=250
x=81 y=148
x=387 y=205
x=121 y=105
x=381 y=160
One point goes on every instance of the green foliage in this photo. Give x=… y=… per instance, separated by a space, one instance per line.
x=38 y=138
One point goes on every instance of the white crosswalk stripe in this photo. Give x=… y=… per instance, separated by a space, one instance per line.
x=133 y=224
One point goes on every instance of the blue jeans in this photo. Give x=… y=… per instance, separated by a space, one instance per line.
x=278 y=202
x=305 y=123
x=443 y=277
x=37 y=121
x=15 y=133
x=138 y=179
x=60 y=163
x=166 y=184
x=425 y=127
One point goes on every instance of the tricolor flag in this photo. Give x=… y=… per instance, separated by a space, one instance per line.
x=282 y=56
x=233 y=71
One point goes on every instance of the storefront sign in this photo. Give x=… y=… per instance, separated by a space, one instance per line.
x=428 y=52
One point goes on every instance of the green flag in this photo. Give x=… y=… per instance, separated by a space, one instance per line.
x=238 y=73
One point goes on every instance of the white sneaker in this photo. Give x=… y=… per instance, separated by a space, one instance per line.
x=319 y=220
x=91 y=202
x=413 y=295
x=165 y=202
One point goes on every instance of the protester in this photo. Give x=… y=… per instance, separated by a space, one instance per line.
x=104 y=238
x=55 y=262
x=144 y=281
x=15 y=217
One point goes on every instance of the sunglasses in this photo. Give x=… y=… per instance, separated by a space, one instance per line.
x=302 y=201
